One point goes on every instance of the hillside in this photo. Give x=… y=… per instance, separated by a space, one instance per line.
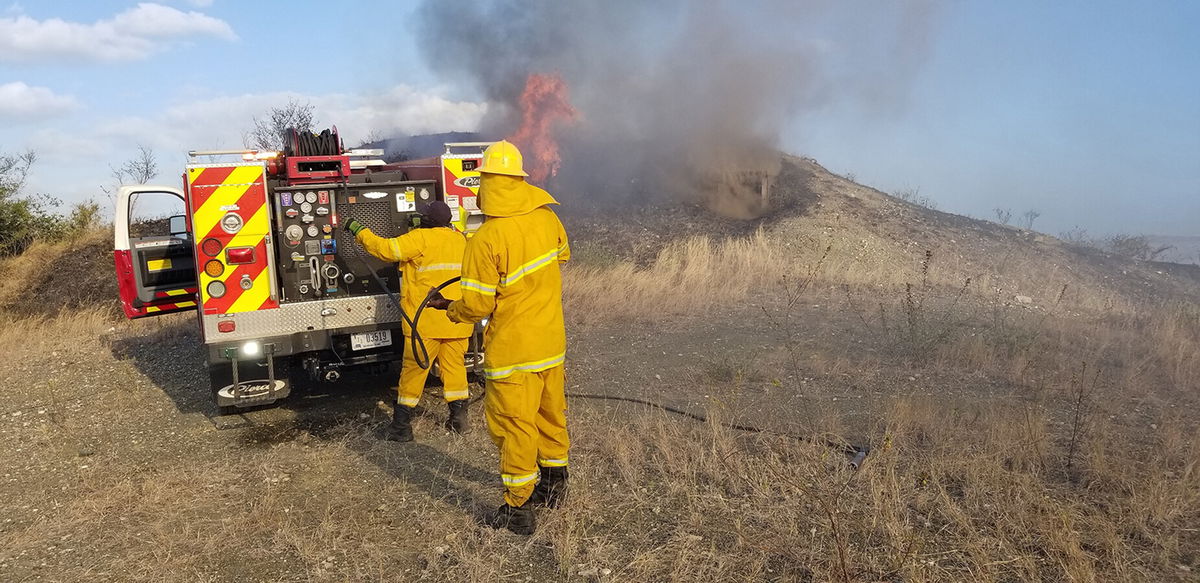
x=1029 y=407
x=876 y=237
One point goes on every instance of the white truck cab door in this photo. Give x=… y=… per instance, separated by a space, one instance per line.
x=153 y=251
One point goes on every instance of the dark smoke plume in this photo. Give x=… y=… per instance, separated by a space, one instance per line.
x=679 y=99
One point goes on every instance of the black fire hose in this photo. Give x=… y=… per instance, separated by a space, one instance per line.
x=419 y=352
x=856 y=453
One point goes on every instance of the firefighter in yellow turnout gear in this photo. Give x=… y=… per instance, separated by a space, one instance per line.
x=511 y=275
x=428 y=256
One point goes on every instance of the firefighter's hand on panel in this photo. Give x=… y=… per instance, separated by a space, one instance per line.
x=436 y=301
x=354 y=227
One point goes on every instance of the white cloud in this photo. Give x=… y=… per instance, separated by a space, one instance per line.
x=133 y=34
x=20 y=101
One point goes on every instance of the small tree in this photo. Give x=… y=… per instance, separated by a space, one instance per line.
x=1003 y=216
x=17 y=213
x=26 y=218
x=1029 y=217
x=374 y=138
x=1077 y=235
x=137 y=170
x=1135 y=247
x=271 y=133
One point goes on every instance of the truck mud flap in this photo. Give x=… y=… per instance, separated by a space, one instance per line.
x=244 y=383
x=252 y=393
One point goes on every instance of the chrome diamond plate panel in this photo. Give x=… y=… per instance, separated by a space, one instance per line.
x=303 y=317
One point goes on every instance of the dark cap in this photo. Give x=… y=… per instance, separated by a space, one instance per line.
x=435 y=214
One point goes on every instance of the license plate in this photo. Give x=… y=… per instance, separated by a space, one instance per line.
x=365 y=340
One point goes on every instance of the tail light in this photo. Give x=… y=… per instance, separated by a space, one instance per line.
x=214 y=268
x=239 y=255
x=211 y=247
x=226 y=326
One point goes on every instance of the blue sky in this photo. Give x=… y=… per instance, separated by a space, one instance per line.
x=1088 y=112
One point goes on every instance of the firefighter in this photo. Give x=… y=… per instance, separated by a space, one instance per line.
x=511 y=275
x=428 y=256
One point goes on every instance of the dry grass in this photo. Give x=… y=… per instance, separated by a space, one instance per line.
x=1083 y=469
x=686 y=277
x=73 y=275
x=691 y=275
x=945 y=496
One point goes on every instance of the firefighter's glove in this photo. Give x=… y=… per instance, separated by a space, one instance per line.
x=354 y=227
x=436 y=301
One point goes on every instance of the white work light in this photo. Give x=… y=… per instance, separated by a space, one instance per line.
x=250 y=348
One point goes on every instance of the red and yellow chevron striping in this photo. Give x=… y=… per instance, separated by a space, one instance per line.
x=460 y=187
x=229 y=204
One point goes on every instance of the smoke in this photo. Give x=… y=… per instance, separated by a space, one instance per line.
x=679 y=99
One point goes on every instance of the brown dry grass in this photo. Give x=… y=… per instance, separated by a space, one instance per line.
x=1047 y=484
x=946 y=496
x=686 y=277
x=1049 y=481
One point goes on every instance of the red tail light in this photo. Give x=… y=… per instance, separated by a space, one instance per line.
x=239 y=255
x=211 y=247
x=226 y=326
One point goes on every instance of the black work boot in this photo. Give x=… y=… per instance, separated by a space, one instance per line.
x=518 y=519
x=401 y=426
x=551 y=489
x=458 y=416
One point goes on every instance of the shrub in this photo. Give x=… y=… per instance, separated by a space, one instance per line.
x=24 y=219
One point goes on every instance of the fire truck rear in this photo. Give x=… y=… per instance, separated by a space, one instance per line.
x=279 y=289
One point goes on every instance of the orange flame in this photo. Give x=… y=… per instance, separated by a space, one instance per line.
x=544 y=103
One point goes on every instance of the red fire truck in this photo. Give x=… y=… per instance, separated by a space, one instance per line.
x=256 y=251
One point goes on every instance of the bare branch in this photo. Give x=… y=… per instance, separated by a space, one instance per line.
x=271 y=133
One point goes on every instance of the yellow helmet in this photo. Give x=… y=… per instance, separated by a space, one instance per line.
x=503 y=158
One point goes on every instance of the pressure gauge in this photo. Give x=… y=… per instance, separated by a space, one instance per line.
x=311 y=198
x=231 y=223
x=306 y=208
x=312 y=231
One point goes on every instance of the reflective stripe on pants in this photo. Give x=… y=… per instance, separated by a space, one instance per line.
x=449 y=354
x=526 y=417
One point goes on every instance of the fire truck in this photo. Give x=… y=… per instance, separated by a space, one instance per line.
x=279 y=290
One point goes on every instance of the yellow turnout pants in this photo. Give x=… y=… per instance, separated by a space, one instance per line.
x=449 y=354
x=526 y=417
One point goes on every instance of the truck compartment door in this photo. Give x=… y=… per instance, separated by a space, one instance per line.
x=153 y=252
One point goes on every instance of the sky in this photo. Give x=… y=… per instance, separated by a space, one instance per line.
x=1087 y=112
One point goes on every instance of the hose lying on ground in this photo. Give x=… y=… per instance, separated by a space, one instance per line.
x=856 y=453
